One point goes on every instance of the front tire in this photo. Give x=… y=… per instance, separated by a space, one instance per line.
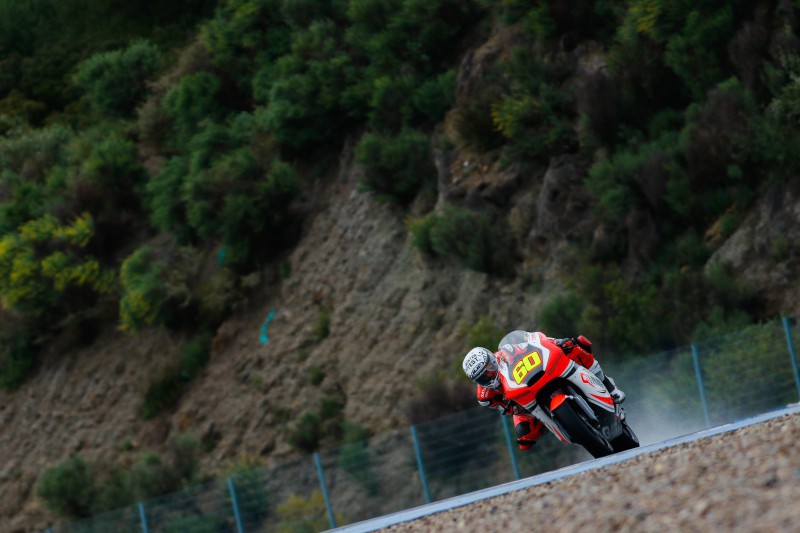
x=627 y=441
x=581 y=431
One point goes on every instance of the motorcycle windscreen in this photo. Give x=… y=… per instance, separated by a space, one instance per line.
x=524 y=362
x=515 y=337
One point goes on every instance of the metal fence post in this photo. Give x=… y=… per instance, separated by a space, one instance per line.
x=792 y=354
x=700 y=384
x=235 y=504
x=142 y=517
x=514 y=464
x=421 y=467
x=324 y=487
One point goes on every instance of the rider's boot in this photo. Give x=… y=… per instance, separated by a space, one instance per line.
x=616 y=393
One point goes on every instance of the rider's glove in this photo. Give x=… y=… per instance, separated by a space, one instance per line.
x=491 y=399
x=583 y=342
x=566 y=344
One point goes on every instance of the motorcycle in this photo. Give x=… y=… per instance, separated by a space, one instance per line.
x=538 y=378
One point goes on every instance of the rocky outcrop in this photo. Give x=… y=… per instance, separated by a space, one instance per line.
x=763 y=251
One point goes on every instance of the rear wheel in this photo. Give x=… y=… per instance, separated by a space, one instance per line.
x=626 y=441
x=581 y=431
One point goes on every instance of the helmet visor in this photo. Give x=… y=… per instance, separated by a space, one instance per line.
x=487 y=378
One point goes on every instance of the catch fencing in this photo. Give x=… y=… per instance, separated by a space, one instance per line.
x=669 y=394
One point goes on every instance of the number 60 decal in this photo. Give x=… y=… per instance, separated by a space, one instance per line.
x=525 y=365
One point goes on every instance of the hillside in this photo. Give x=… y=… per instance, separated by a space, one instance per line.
x=394 y=185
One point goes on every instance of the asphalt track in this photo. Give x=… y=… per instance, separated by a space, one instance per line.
x=466 y=499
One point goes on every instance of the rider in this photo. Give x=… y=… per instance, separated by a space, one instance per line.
x=480 y=365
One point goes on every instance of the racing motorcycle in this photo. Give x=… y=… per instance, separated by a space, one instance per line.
x=567 y=398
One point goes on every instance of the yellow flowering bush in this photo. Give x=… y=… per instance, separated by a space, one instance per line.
x=43 y=258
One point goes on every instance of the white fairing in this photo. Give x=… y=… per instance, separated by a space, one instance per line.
x=593 y=388
x=549 y=423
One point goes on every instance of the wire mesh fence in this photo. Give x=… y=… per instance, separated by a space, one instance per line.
x=669 y=394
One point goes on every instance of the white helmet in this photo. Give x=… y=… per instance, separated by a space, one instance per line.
x=480 y=366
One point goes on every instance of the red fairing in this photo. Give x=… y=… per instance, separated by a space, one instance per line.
x=557 y=364
x=581 y=356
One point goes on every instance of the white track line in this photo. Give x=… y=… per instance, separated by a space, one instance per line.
x=465 y=499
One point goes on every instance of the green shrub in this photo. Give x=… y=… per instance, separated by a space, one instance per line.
x=438 y=395
x=326 y=422
x=354 y=457
x=390 y=103
x=433 y=98
x=775 y=141
x=306 y=433
x=561 y=315
x=75 y=489
x=164 y=391
x=197 y=523
x=392 y=34
x=402 y=100
x=316 y=375
x=306 y=102
x=322 y=326
x=304 y=515
x=728 y=364
x=252 y=495
x=27 y=157
x=245 y=35
x=18 y=356
x=420 y=230
x=485 y=332
x=68 y=488
x=116 y=81
x=467 y=237
x=396 y=167
x=536 y=113
x=154 y=475
x=695 y=52
x=726 y=290
x=113 y=162
x=165 y=207
x=302 y=13
x=143 y=293
x=623 y=316
x=474 y=123
x=196 y=354
x=192 y=101
x=30 y=153
x=225 y=191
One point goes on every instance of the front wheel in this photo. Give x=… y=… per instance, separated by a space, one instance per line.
x=581 y=431
x=626 y=441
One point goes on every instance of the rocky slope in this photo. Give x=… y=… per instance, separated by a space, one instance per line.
x=394 y=318
x=741 y=481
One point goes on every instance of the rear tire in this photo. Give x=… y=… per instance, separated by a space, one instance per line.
x=581 y=431
x=627 y=441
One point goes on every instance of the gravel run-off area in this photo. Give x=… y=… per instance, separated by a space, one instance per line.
x=745 y=480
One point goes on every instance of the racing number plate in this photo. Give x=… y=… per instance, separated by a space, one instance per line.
x=524 y=365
